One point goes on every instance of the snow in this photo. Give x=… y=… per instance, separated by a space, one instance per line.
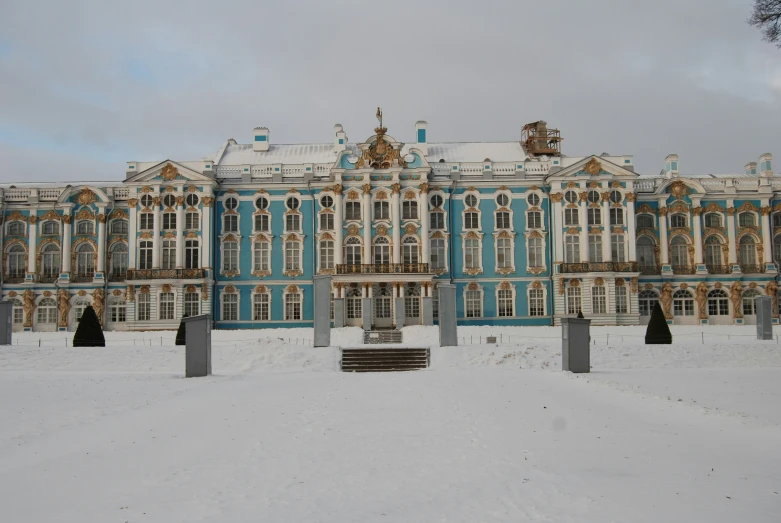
x=686 y=432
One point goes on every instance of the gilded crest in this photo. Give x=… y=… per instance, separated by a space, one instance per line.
x=86 y=197
x=592 y=167
x=169 y=172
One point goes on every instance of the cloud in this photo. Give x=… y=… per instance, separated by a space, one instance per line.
x=95 y=84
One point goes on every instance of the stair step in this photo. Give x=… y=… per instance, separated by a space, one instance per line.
x=384 y=360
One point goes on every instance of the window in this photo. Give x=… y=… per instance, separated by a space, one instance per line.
x=647 y=301
x=777 y=219
x=595 y=247
x=85 y=260
x=381 y=251
x=748 y=251
x=571 y=196
x=471 y=200
x=47 y=311
x=621 y=300
x=381 y=210
x=616 y=196
x=502 y=200
x=169 y=221
x=437 y=253
x=192 y=200
x=261 y=203
x=713 y=220
x=50 y=260
x=117 y=312
x=746 y=219
x=146 y=200
x=192 y=306
x=326 y=222
x=474 y=304
x=143 y=307
x=436 y=201
x=85 y=227
x=411 y=306
x=533 y=200
x=230 y=307
x=598 y=300
x=191 y=258
x=573 y=300
x=470 y=220
x=504 y=253
x=594 y=215
x=118 y=260
x=435 y=304
x=260 y=305
x=231 y=203
x=645 y=222
x=616 y=216
x=292 y=203
x=683 y=303
x=502 y=220
x=354 y=303
x=712 y=251
x=718 y=303
x=292 y=255
x=326 y=202
x=117 y=227
x=617 y=250
x=169 y=200
x=570 y=216
x=52 y=227
x=646 y=252
x=749 y=303
x=679 y=252
x=326 y=254
x=409 y=250
x=260 y=255
x=534 y=220
x=18 y=312
x=409 y=210
x=166 y=305
x=536 y=302
x=353 y=211
x=593 y=197
x=505 y=303
x=678 y=221
x=145 y=255
x=169 y=254
x=352 y=251
x=292 y=306
x=777 y=249
x=78 y=309
x=147 y=221
x=230 y=256
x=16 y=228
x=437 y=220
x=262 y=222
x=230 y=223
x=536 y=255
x=472 y=253
x=292 y=222
x=572 y=249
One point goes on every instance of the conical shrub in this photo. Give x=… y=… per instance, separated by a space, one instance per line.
x=180 y=334
x=658 y=332
x=580 y=315
x=89 y=332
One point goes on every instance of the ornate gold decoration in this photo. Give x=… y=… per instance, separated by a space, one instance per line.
x=766 y=210
x=144 y=289
x=352 y=230
x=713 y=207
x=645 y=208
x=730 y=211
x=86 y=197
x=592 y=167
x=382 y=230
x=192 y=188
x=169 y=172
x=678 y=189
x=146 y=236
x=146 y=189
x=666 y=299
x=353 y=195
x=12 y=294
x=116 y=292
x=536 y=284
x=561 y=286
x=180 y=200
x=595 y=230
x=156 y=201
x=573 y=230
x=556 y=197
x=169 y=188
x=473 y=286
x=620 y=282
x=117 y=214
x=101 y=218
x=748 y=206
x=663 y=211
x=599 y=282
x=29 y=306
x=574 y=282
x=169 y=235
x=166 y=287
x=409 y=195
x=771 y=289
x=291 y=289
x=50 y=215
x=649 y=286
x=132 y=202
x=697 y=211
x=606 y=196
x=33 y=219
x=736 y=296
x=63 y=307
x=505 y=286
x=615 y=184
x=98 y=300
x=583 y=196
x=410 y=229
x=631 y=196
x=85 y=214
x=207 y=201
x=204 y=292
x=230 y=289
x=191 y=235
x=381 y=196
x=260 y=289
x=423 y=188
x=571 y=185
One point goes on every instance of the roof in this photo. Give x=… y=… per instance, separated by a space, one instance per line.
x=475 y=152
x=242 y=154
x=57 y=185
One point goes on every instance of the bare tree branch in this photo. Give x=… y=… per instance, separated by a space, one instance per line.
x=767 y=18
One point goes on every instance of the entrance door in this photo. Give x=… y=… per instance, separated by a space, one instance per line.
x=383 y=315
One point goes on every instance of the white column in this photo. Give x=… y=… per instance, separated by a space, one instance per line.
x=156 y=234
x=179 y=232
x=731 y=231
x=607 y=252
x=556 y=235
x=131 y=233
x=767 y=233
x=423 y=206
x=584 y=254
x=367 y=223
x=630 y=224
x=101 y=241
x=206 y=235
x=338 y=226
x=663 y=247
x=697 y=222
x=396 y=223
x=33 y=242
x=66 y=243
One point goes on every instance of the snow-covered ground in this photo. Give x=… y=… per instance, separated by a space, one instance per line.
x=687 y=432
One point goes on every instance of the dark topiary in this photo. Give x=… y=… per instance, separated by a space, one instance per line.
x=580 y=315
x=180 y=334
x=89 y=333
x=658 y=332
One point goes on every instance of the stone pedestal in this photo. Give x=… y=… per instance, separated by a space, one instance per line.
x=427 y=304
x=338 y=313
x=6 y=322
x=366 y=312
x=764 y=309
x=575 y=345
x=398 y=306
x=448 y=333
x=198 y=346
x=322 y=311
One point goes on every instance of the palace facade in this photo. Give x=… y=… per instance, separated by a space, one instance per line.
x=527 y=234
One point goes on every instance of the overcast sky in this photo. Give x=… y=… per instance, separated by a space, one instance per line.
x=87 y=86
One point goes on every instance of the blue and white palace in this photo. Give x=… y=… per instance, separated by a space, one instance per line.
x=527 y=234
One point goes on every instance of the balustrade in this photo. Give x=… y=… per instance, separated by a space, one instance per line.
x=383 y=268
x=164 y=274
x=598 y=267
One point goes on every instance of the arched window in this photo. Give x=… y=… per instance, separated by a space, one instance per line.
x=382 y=251
x=118 y=260
x=409 y=250
x=15 y=266
x=15 y=228
x=50 y=228
x=679 y=252
x=748 y=252
x=746 y=219
x=683 y=303
x=718 y=303
x=713 y=259
x=119 y=227
x=749 y=305
x=712 y=219
x=85 y=227
x=678 y=221
x=85 y=260
x=647 y=300
x=326 y=254
x=50 y=261
x=47 y=311
x=646 y=254
x=645 y=221
x=352 y=251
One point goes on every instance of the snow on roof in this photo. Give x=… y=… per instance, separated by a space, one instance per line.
x=242 y=154
x=475 y=152
x=57 y=185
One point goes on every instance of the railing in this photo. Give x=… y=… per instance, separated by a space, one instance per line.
x=48 y=278
x=83 y=278
x=117 y=276
x=383 y=268
x=752 y=269
x=165 y=274
x=684 y=269
x=14 y=278
x=650 y=269
x=719 y=269
x=598 y=267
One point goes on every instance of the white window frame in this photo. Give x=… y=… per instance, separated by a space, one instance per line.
x=162 y=305
x=470 y=300
x=542 y=298
x=223 y=295
x=599 y=299
x=509 y=265
x=285 y=302
x=499 y=300
x=144 y=306
x=573 y=299
x=257 y=268
x=622 y=299
x=261 y=311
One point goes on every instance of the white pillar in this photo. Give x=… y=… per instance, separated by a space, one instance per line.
x=338 y=226
x=630 y=224
x=33 y=240
x=607 y=252
x=423 y=206
x=179 y=232
x=132 y=227
x=206 y=235
x=66 y=243
x=396 y=223
x=584 y=254
x=156 y=234
x=767 y=255
x=101 y=241
x=663 y=248
x=731 y=231
x=367 y=223
x=556 y=235
x=697 y=222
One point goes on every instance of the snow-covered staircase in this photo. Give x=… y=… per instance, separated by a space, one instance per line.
x=386 y=336
x=384 y=359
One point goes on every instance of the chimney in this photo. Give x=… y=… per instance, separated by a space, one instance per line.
x=260 y=142
x=766 y=165
x=340 y=138
x=132 y=169
x=671 y=165
x=421 y=131
x=751 y=168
